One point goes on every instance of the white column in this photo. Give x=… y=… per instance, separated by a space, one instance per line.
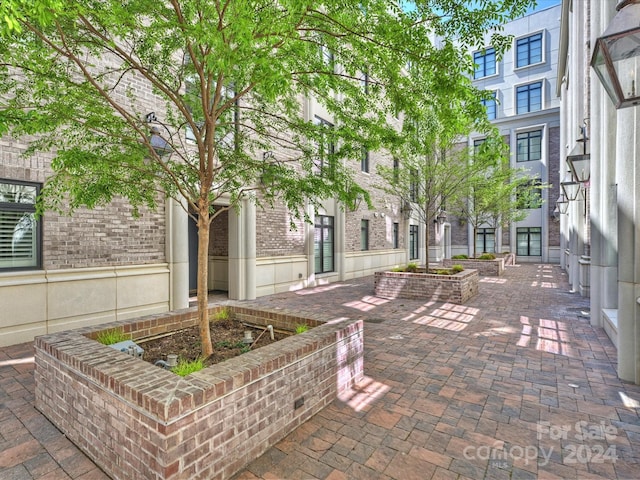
x=177 y=251
x=628 y=150
x=242 y=252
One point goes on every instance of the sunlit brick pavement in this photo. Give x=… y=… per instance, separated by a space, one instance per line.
x=514 y=384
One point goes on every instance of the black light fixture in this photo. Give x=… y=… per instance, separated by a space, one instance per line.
x=570 y=188
x=441 y=217
x=158 y=143
x=562 y=204
x=616 y=56
x=579 y=159
x=406 y=209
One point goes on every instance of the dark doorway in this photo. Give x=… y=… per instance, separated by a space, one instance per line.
x=193 y=255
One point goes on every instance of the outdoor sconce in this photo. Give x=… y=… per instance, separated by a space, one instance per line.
x=441 y=217
x=570 y=188
x=579 y=160
x=616 y=56
x=159 y=144
x=562 y=204
x=406 y=209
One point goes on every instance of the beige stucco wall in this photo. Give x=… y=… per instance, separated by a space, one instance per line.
x=47 y=301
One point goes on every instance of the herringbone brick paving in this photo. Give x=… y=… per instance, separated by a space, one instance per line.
x=513 y=384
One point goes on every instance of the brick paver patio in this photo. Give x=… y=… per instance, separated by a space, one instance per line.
x=513 y=384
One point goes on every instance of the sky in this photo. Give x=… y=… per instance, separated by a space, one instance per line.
x=542 y=4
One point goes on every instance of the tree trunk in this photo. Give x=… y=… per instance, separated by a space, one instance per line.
x=427 y=235
x=203 y=274
x=475 y=243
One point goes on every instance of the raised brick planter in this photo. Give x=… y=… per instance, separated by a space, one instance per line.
x=138 y=421
x=493 y=267
x=457 y=288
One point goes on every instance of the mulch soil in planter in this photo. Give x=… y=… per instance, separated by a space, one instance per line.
x=226 y=336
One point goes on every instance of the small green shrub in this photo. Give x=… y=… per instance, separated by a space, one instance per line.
x=460 y=257
x=301 y=328
x=457 y=268
x=109 y=337
x=411 y=267
x=221 y=315
x=443 y=271
x=397 y=269
x=487 y=256
x=228 y=344
x=185 y=367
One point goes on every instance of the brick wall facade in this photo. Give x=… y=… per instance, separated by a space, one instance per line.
x=554 y=181
x=219 y=235
x=385 y=212
x=104 y=236
x=138 y=421
x=274 y=235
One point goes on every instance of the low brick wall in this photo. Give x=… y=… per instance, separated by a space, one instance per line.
x=456 y=288
x=493 y=267
x=138 y=421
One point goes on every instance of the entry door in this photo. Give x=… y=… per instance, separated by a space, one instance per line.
x=193 y=255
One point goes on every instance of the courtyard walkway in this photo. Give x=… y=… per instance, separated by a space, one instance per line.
x=515 y=384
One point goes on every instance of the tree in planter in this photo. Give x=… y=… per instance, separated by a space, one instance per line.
x=435 y=170
x=497 y=194
x=226 y=82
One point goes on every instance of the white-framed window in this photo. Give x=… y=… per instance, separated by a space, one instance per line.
x=20 y=232
x=529 y=97
x=529 y=145
x=485 y=62
x=529 y=50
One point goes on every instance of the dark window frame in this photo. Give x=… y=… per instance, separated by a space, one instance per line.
x=396 y=235
x=529 y=50
x=525 y=92
x=532 y=142
x=364 y=161
x=485 y=233
x=25 y=209
x=414 y=242
x=530 y=232
x=486 y=63
x=364 y=235
x=320 y=227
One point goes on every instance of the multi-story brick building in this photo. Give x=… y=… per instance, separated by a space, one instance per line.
x=527 y=113
x=100 y=265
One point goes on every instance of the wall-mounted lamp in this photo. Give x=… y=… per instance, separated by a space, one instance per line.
x=616 y=56
x=579 y=159
x=562 y=204
x=268 y=155
x=406 y=209
x=158 y=143
x=570 y=188
x=441 y=217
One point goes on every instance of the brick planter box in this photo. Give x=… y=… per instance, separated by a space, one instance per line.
x=138 y=421
x=457 y=288
x=485 y=267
